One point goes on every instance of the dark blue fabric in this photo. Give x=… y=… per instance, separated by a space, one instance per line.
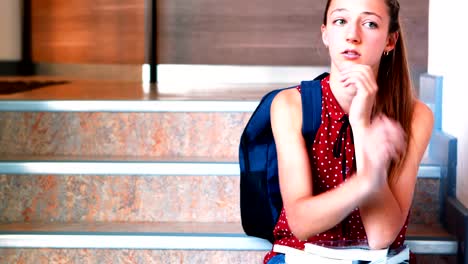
x=278 y=259
x=311 y=108
x=260 y=195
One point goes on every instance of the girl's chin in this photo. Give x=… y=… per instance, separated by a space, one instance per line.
x=344 y=65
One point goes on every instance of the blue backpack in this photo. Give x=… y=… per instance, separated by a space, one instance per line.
x=260 y=197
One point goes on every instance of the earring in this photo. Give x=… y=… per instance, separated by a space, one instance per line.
x=385 y=53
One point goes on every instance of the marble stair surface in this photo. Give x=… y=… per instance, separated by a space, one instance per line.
x=104 y=172
x=163 y=239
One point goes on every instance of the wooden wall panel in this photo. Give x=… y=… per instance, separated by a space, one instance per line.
x=88 y=31
x=251 y=32
x=261 y=32
x=415 y=19
x=241 y=32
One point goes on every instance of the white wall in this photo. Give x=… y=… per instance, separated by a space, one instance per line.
x=448 y=56
x=10 y=30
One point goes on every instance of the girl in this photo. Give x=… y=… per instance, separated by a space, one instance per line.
x=357 y=181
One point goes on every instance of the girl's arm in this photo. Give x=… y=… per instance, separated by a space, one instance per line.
x=307 y=214
x=386 y=210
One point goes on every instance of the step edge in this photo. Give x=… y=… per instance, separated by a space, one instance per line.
x=182 y=242
x=124 y=106
x=120 y=168
x=135 y=167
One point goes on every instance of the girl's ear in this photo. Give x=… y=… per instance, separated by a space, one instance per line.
x=391 y=41
x=324 y=35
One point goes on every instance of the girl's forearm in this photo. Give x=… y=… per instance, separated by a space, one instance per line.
x=380 y=212
x=315 y=214
x=382 y=217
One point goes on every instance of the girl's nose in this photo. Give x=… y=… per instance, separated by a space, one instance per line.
x=353 y=34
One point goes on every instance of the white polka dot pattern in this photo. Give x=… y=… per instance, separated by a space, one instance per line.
x=327 y=174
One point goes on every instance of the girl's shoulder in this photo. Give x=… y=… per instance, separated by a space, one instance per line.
x=286 y=108
x=422 y=121
x=288 y=99
x=422 y=113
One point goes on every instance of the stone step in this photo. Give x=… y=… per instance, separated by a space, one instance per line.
x=67 y=190
x=125 y=118
x=122 y=119
x=167 y=242
x=142 y=165
x=132 y=165
x=71 y=189
x=196 y=134
x=126 y=256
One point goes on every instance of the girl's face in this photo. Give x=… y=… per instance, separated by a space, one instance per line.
x=357 y=33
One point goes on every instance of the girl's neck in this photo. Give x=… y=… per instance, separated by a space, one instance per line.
x=338 y=90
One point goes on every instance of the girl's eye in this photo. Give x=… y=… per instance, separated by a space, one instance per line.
x=370 y=25
x=339 y=21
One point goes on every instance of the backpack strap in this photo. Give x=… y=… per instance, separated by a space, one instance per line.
x=311 y=94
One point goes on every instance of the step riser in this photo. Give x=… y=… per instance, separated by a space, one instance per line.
x=426 y=202
x=26 y=198
x=127 y=256
x=122 y=134
x=154 y=256
x=122 y=198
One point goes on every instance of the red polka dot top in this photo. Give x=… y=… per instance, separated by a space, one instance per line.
x=332 y=163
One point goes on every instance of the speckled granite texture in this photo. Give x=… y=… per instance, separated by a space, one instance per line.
x=425 y=207
x=119 y=198
x=122 y=134
x=93 y=256
x=30 y=198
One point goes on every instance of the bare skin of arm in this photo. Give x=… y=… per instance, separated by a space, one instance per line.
x=307 y=214
x=385 y=210
x=377 y=199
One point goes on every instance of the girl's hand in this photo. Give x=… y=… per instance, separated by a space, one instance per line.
x=360 y=81
x=383 y=141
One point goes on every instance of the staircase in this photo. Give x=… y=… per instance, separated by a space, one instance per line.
x=107 y=172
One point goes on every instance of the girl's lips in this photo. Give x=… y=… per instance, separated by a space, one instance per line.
x=351 y=54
